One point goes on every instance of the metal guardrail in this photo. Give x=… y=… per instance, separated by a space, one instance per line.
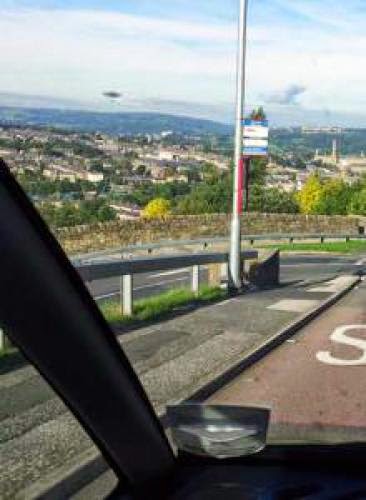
x=127 y=268
x=207 y=242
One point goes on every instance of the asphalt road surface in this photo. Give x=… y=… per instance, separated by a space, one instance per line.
x=305 y=268
x=315 y=383
x=145 y=285
x=38 y=435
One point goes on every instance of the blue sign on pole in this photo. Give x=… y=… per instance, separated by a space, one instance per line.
x=255 y=137
x=248 y=122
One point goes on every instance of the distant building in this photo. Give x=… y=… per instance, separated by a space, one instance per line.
x=169 y=155
x=321 y=130
x=353 y=164
x=56 y=172
x=135 y=180
x=59 y=172
x=333 y=158
x=93 y=176
x=301 y=179
x=178 y=178
x=126 y=211
x=166 y=133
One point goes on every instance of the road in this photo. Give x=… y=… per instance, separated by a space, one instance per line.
x=310 y=267
x=145 y=285
x=305 y=268
x=315 y=383
x=39 y=437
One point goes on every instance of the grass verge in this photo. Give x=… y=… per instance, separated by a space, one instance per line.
x=160 y=305
x=352 y=246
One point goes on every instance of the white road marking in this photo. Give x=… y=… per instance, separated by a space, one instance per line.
x=153 y=285
x=225 y=302
x=293 y=305
x=168 y=273
x=361 y=262
x=321 y=289
x=333 y=285
x=106 y=296
x=339 y=336
x=160 y=283
x=309 y=264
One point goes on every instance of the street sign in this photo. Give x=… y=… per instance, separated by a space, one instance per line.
x=255 y=137
x=256 y=132
x=255 y=152
x=252 y=143
x=248 y=122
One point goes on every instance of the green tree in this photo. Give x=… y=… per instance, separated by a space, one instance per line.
x=106 y=213
x=141 y=170
x=272 y=201
x=334 y=199
x=207 y=198
x=258 y=171
x=210 y=173
x=70 y=214
x=124 y=164
x=258 y=114
x=171 y=191
x=357 y=203
x=96 y=166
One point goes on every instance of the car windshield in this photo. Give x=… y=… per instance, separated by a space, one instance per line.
x=210 y=190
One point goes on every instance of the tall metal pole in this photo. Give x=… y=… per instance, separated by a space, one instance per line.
x=235 y=246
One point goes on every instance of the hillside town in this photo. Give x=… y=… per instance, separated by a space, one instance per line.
x=121 y=164
x=284 y=173
x=59 y=167
x=92 y=157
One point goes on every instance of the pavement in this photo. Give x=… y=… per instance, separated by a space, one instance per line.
x=314 y=383
x=40 y=441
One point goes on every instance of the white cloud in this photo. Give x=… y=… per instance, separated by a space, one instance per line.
x=79 y=54
x=84 y=52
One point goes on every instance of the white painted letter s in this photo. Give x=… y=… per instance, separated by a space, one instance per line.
x=339 y=336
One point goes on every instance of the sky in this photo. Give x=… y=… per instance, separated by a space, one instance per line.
x=180 y=55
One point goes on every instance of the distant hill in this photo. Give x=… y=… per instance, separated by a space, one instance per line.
x=110 y=123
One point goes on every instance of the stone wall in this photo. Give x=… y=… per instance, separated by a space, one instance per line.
x=84 y=239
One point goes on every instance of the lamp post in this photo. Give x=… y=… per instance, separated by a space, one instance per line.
x=235 y=280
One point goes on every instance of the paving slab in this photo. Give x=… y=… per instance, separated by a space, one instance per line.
x=293 y=305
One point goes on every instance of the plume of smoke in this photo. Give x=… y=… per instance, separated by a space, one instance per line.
x=288 y=96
